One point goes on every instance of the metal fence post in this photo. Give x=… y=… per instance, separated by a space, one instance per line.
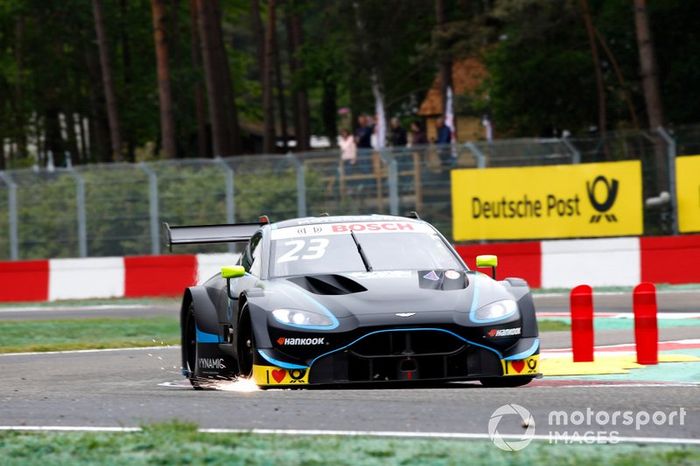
x=229 y=177
x=80 y=211
x=301 y=185
x=576 y=155
x=153 y=207
x=393 y=180
x=671 y=154
x=480 y=157
x=12 y=214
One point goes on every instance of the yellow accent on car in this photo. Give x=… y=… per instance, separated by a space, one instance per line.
x=232 y=271
x=527 y=366
x=272 y=375
x=487 y=261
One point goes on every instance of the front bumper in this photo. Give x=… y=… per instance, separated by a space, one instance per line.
x=401 y=355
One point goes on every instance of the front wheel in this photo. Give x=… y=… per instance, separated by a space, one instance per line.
x=190 y=347
x=504 y=382
x=246 y=344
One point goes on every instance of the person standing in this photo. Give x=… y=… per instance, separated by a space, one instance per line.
x=444 y=138
x=418 y=137
x=398 y=134
x=348 y=150
x=363 y=134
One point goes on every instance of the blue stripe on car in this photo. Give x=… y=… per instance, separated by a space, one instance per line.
x=407 y=330
x=278 y=363
x=527 y=353
x=204 y=337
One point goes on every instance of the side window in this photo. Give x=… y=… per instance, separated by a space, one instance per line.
x=251 y=259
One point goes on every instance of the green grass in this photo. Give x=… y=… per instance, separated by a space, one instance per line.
x=552 y=325
x=96 y=302
x=74 y=334
x=182 y=444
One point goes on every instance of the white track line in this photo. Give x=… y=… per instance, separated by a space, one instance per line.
x=104 y=350
x=348 y=433
x=96 y=308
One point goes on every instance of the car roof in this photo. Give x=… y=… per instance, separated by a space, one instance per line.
x=343 y=219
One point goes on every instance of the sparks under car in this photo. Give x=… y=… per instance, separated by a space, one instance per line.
x=345 y=300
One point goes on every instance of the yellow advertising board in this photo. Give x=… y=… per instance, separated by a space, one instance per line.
x=688 y=192
x=560 y=201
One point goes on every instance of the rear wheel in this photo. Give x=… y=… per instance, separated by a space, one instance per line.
x=503 y=382
x=246 y=344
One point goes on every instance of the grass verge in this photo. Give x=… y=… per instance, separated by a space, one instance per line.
x=552 y=325
x=180 y=444
x=164 y=301
x=75 y=334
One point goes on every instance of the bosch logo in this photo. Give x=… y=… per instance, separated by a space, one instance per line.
x=285 y=341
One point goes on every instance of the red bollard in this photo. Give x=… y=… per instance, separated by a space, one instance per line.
x=646 y=331
x=582 y=323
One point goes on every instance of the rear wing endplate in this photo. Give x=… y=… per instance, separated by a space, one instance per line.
x=206 y=234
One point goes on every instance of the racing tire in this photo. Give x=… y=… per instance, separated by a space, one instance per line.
x=507 y=382
x=191 y=347
x=246 y=344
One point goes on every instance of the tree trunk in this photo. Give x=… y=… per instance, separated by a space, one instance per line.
x=267 y=81
x=167 y=120
x=279 y=82
x=125 y=40
x=222 y=108
x=329 y=110
x=647 y=60
x=20 y=121
x=300 y=98
x=650 y=84
x=199 y=102
x=600 y=85
x=110 y=94
x=258 y=36
x=445 y=63
x=98 y=133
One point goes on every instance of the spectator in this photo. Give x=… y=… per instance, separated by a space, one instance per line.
x=418 y=136
x=348 y=150
x=444 y=137
x=398 y=134
x=363 y=135
x=444 y=133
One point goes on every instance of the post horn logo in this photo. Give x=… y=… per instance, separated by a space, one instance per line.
x=611 y=188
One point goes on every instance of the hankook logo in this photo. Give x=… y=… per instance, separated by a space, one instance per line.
x=611 y=188
x=285 y=341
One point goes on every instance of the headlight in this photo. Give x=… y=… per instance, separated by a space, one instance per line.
x=496 y=311
x=298 y=317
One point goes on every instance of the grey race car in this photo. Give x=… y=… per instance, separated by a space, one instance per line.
x=339 y=300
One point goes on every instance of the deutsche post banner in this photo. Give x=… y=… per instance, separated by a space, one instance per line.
x=560 y=201
x=688 y=192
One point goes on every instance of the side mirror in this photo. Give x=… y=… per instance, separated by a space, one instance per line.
x=488 y=261
x=231 y=271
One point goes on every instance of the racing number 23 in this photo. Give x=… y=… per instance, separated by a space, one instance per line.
x=314 y=249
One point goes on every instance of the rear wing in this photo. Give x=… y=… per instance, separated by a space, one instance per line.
x=206 y=234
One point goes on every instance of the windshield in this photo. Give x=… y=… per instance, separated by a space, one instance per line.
x=330 y=248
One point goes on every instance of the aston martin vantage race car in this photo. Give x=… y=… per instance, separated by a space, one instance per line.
x=344 y=300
